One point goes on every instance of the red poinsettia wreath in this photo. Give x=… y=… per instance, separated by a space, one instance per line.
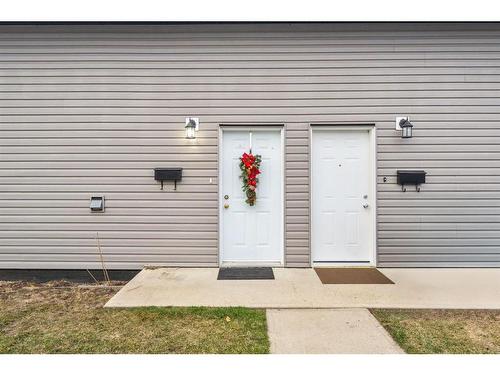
x=249 y=165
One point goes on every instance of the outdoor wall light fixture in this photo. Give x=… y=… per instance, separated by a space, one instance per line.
x=192 y=126
x=406 y=127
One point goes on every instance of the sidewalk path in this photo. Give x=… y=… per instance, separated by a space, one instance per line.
x=327 y=331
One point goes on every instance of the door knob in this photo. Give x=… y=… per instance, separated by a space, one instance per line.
x=226 y=206
x=365 y=205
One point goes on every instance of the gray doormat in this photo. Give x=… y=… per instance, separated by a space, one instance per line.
x=246 y=273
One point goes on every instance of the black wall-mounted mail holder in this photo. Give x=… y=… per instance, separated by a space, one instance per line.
x=411 y=178
x=168 y=174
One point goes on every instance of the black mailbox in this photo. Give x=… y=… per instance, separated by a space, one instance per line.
x=411 y=178
x=168 y=174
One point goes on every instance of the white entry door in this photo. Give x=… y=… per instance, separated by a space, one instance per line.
x=342 y=201
x=252 y=234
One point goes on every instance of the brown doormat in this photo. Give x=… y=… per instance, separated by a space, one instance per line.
x=352 y=276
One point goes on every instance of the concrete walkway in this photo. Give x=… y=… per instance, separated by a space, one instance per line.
x=327 y=331
x=301 y=288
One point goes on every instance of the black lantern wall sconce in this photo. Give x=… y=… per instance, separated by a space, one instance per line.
x=192 y=126
x=406 y=127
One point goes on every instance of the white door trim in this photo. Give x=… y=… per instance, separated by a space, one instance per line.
x=373 y=187
x=233 y=127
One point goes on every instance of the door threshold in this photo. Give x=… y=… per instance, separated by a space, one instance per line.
x=344 y=264
x=251 y=264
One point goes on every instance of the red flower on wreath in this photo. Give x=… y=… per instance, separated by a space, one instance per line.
x=249 y=165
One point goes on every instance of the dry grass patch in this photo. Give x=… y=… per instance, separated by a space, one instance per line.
x=443 y=331
x=62 y=317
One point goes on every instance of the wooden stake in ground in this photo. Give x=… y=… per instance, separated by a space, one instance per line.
x=104 y=270
x=92 y=276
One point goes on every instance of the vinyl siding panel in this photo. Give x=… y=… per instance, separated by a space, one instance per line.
x=297 y=195
x=92 y=110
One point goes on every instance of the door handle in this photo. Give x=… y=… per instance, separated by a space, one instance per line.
x=365 y=205
x=226 y=206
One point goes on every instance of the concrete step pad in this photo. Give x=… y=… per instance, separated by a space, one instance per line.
x=327 y=331
x=471 y=288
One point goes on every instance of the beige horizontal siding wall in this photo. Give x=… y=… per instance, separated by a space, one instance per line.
x=93 y=109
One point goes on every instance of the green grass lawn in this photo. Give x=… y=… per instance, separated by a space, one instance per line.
x=62 y=317
x=443 y=331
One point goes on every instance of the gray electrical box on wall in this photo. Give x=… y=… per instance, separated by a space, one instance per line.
x=97 y=204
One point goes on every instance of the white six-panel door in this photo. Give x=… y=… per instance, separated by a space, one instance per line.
x=252 y=235
x=342 y=201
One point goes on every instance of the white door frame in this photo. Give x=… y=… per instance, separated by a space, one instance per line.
x=373 y=182
x=261 y=128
